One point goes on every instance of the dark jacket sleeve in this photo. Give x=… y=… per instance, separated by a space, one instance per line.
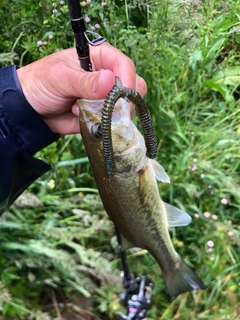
x=22 y=133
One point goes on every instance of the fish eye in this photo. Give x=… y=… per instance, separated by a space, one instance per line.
x=96 y=130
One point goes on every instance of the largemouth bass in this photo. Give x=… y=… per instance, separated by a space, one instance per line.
x=130 y=195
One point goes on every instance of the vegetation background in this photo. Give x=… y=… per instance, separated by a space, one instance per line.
x=56 y=261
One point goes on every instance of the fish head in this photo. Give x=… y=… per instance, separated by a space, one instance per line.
x=128 y=143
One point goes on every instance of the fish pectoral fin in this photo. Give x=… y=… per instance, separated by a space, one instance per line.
x=176 y=217
x=159 y=171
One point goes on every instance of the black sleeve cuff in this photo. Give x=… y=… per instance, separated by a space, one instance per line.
x=18 y=170
x=20 y=122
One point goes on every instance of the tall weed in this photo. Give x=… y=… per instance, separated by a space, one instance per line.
x=188 y=53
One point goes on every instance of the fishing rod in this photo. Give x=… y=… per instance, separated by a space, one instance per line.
x=138 y=293
x=137 y=298
x=82 y=35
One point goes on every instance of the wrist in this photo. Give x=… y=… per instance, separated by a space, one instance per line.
x=22 y=123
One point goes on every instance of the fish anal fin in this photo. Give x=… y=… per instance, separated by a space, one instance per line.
x=125 y=245
x=176 y=217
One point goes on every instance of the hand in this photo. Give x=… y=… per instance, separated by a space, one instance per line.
x=53 y=84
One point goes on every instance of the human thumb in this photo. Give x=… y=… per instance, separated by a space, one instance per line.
x=96 y=85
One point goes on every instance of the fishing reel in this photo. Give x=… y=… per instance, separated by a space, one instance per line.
x=138 y=297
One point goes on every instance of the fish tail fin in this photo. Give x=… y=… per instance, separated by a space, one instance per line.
x=182 y=279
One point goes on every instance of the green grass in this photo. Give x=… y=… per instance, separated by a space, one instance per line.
x=188 y=53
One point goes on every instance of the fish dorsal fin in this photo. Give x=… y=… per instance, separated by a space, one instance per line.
x=160 y=173
x=176 y=217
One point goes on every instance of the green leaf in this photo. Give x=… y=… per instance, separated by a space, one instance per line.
x=229 y=76
x=196 y=57
x=222 y=89
x=79 y=288
x=10 y=225
x=71 y=162
x=216 y=47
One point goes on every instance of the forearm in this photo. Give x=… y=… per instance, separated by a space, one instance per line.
x=22 y=133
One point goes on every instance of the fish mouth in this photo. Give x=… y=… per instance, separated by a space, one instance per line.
x=91 y=106
x=96 y=106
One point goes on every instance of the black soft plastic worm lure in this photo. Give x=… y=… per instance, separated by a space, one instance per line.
x=117 y=92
